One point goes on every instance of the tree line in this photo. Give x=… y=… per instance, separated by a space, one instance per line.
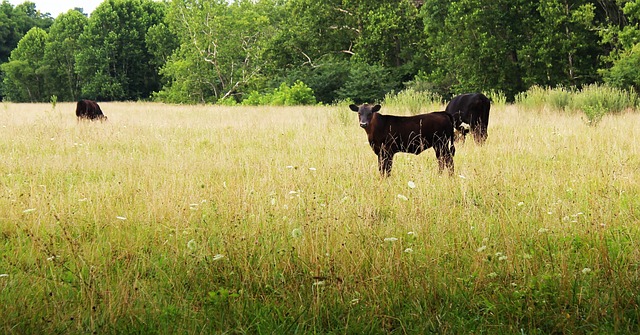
x=216 y=51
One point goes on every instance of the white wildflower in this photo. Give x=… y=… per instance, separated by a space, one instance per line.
x=586 y=271
x=482 y=248
x=502 y=258
x=520 y=204
x=411 y=184
x=390 y=239
x=408 y=250
x=296 y=232
x=402 y=197
x=191 y=245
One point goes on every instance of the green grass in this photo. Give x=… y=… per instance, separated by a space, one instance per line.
x=201 y=219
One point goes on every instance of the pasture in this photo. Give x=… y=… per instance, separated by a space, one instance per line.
x=203 y=219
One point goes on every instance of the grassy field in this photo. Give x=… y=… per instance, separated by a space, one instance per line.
x=274 y=220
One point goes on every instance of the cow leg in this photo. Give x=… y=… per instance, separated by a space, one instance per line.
x=444 y=154
x=479 y=129
x=385 y=162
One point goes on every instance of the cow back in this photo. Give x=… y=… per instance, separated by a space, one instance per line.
x=412 y=134
x=463 y=107
x=89 y=109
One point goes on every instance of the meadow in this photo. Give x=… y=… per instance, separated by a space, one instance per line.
x=274 y=220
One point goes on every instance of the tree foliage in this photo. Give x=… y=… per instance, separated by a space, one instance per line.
x=24 y=75
x=219 y=53
x=60 y=54
x=625 y=69
x=194 y=51
x=114 y=62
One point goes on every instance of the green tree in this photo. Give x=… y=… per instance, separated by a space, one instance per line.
x=220 y=49
x=390 y=33
x=625 y=59
x=473 y=44
x=114 y=61
x=24 y=76
x=366 y=83
x=561 y=47
x=14 y=24
x=319 y=42
x=59 y=55
x=308 y=32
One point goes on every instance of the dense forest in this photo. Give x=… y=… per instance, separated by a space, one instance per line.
x=217 y=51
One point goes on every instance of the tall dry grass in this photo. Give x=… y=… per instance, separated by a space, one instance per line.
x=191 y=219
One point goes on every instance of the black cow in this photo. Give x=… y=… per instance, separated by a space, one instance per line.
x=89 y=110
x=389 y=134
x=472 y=109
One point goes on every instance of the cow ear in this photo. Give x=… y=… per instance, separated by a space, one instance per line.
x=376 y=108
x=353 y=107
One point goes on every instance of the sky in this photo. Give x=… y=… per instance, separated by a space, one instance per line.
x=56 y=7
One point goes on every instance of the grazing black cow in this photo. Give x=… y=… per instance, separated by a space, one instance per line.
x=472 y=109
x=89 y=110
x=390 y=134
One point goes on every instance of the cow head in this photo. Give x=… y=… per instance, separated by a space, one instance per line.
x=365 y=113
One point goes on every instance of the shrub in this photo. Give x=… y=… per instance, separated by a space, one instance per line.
x=497 y=97
x=298 y=94
x=533 y=98
x=613 y=100
x=255 y=99
x=228 y=101
x=413 y=101
x=560 y=98
x=325 y=79
x=593 y=100
x=536 y=97
x=597 y=100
